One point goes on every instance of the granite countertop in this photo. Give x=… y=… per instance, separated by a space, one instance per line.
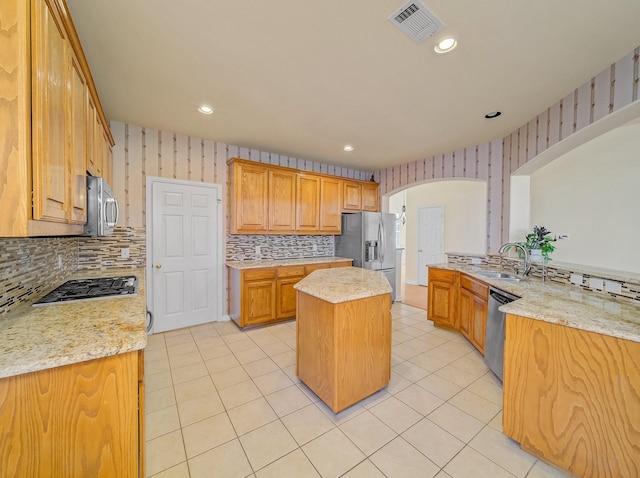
x=344 y=284
x=37 y=338
x=565 y=305
x=283 y=262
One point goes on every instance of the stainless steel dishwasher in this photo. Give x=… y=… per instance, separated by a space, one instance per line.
x=494 y=339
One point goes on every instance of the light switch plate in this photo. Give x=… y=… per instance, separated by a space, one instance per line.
x=613 y=286
x=476 y=260
x=595 y=283
x=576 y=279
x=124 y=253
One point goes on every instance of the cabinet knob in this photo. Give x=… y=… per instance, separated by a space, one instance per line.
x=158 y=266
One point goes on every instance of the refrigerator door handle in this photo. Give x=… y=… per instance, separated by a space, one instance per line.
x=382 y=240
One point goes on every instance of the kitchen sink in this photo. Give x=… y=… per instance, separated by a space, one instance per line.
x=500 y=275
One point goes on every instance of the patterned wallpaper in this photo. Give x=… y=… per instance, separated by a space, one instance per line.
x=607 y=92
x=140 y=152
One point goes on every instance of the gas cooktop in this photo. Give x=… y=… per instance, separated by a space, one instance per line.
x=91 y=289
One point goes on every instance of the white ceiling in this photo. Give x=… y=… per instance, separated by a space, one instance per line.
x=304 y=77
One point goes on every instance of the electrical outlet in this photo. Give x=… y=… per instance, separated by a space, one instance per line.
x=59 y=261
x=314 y=247
x=476 y=260
x=257 y=250
x=613 y=287
x=124 y=253
x=576 y=279
x=595 y=283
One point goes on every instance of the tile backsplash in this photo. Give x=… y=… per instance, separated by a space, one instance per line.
x=561 y=273
x=243 y=247
x=106 y=252
x=30 y=266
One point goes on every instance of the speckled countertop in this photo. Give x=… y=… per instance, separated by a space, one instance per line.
x=565 y=305
x=283 y=262
x=37 y=338
x=344 y=284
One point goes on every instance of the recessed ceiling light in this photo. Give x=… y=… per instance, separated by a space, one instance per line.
x=205 y=110
x=493 y=114
x=446 y=45
x=348 y=147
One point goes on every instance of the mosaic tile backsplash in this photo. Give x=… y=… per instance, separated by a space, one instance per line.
x=243 y=247
x=561 y=273
x=30 y=266
x=106 y=252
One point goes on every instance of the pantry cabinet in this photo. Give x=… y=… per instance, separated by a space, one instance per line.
x=267 y=199
x=44 y=124
x=264 y=295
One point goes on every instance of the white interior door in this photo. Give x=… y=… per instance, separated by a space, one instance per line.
x=430 y=239
x=186 y=253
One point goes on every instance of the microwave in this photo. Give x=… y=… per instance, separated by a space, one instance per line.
x=102 y=208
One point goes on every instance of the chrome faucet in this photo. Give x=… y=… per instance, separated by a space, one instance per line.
x=525 y=252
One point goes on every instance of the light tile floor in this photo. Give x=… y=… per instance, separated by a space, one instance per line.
x=222 y=402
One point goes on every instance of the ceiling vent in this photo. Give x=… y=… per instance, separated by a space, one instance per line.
x=415 y=20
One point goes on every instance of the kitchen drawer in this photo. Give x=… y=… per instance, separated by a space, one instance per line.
x=314 y=267
x=259 y=274
x=290 y=271
x=442 y=275
x=475 y=287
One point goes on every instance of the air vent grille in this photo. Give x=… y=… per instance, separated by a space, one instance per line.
x=415 y=20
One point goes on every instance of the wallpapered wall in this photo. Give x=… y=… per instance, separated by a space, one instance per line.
x=607 y=92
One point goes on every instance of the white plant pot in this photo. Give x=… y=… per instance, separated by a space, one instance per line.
x=536 y=255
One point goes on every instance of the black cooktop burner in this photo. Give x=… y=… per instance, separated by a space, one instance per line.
x=87 y=289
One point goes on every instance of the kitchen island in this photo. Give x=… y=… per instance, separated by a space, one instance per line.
x=571 y=391
x=343 y=334
x=72 y=388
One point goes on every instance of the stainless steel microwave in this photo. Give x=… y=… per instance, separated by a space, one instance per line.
x=102 y=208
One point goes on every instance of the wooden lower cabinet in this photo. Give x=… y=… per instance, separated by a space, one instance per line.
x=343 y=351
x=472 y=309
x=442 y=294
x=74 y=421
x=572 y=397
x=265 y=295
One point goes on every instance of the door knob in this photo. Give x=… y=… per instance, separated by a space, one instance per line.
x=158 y=266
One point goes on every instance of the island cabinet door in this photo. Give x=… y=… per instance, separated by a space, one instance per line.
x=75 y=420
x=573 y=397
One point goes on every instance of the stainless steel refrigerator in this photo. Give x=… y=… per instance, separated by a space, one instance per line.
x=369 y=238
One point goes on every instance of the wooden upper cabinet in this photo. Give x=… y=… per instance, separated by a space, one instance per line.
x=44 y=126
x=359 y=196
x=270 y=199
x=308 y=203
x=370 y=197
x=351 y=196
x=250 y=207
x=78 y=143
x=330 y=205
x=50 y=58
x=282 y=201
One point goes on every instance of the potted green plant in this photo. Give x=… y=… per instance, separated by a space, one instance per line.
x=539 y=240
